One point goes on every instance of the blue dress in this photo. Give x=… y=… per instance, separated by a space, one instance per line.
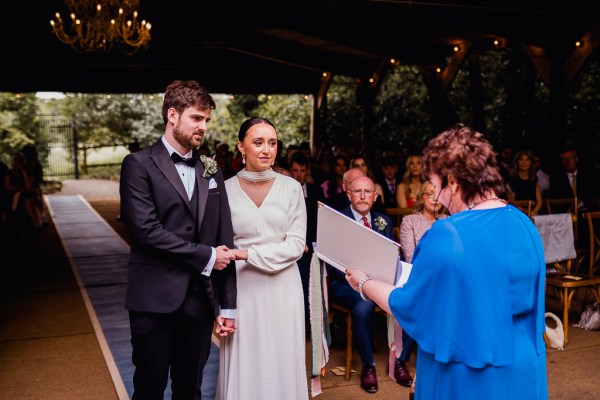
x=475 y=304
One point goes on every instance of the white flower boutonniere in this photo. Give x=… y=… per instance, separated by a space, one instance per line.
x=210 y=166
x=380 y=223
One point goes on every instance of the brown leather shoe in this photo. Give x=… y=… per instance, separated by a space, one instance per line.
x=368 y=379
x=401 y=374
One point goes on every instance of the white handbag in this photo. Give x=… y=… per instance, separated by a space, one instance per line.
x=556 y=334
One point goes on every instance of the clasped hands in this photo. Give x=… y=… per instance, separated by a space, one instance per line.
x=225 y=255
x=225 y=326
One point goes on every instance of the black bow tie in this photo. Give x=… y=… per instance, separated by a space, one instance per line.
x=178 y=159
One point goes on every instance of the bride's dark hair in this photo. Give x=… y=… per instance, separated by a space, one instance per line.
x=250 y=122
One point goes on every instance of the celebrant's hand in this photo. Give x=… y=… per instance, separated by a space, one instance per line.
x=353 y=276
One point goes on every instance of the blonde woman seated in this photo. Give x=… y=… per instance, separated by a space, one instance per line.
x=406 y=192
x=362 y=163
x=426 y=211
x=412 y=228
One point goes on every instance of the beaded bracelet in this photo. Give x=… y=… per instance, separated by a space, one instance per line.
x=360 y=287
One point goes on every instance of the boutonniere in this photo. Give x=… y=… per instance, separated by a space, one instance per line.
x=380 y=223
x=210 y=166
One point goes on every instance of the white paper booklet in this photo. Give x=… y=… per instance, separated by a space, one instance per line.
x=402 y=273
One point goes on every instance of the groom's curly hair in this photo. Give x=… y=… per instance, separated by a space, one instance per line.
x=184 y=94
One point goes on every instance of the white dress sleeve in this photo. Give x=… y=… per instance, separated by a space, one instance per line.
x=275 y=255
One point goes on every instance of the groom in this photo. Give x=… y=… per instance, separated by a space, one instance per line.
x=178 y=283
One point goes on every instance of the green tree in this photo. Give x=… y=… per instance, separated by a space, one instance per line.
x=118 y=119
x=19 y=124
x=289 y=113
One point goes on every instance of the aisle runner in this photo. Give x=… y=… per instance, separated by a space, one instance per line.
x=98 y=257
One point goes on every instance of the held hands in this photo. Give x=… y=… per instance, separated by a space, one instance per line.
x=224 y=257
x=225 y=326
x=240 y=254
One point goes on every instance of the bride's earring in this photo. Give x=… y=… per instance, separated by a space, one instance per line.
x=243 y=158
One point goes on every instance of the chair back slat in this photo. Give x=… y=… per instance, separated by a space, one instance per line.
x=593 y=223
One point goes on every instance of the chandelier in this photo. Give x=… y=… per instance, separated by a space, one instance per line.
x=97 y=25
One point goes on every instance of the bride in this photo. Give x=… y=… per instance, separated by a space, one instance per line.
x=265 y=358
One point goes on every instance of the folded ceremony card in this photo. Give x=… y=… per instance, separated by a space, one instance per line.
x=344 y=243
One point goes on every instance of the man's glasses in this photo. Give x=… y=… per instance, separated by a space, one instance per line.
x=364 y=192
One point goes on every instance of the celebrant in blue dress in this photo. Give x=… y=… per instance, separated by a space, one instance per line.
x=475 y=298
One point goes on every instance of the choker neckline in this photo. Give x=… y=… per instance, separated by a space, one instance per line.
x=257 y=176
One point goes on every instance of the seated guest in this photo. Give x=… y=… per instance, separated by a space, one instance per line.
x=362 y=194
x=312 y=195
x=542 y=175
x=575 y=178
x=340 y=200
x=411 y=182
x=523 y=183
x=389 y=181
x=361 y=162
x=24 y=194
x=412 y=228
x=333 y=184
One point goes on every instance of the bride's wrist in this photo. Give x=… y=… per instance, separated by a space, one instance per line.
x=241 y=254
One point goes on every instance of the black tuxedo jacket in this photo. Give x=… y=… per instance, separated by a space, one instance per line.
x=171 y=242
x=587 y=182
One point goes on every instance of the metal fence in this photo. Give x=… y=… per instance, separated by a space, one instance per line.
x=61 y=136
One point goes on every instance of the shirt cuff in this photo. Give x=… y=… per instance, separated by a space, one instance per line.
x=229 y=313
x=211 y=263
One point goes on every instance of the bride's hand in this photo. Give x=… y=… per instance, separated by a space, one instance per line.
x=240 y=254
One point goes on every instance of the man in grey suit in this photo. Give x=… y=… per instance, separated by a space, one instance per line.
x=179 y=282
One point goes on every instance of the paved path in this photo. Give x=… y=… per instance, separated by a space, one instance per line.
x=91 y=189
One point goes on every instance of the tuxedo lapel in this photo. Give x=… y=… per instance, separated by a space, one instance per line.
x=202 y=184
x=160 y=155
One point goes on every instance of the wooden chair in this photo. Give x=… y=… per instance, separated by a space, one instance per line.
x=397 y=213
x=396 y=233
x=562 y=205
x=524 y=205
x=568 y=205
x=593 y=223
x=348 y=318
x=566 y=282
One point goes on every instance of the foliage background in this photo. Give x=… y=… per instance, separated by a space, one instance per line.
x=513 y=111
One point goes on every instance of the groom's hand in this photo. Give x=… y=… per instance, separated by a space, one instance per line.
x=225 y=326
x=224 y=256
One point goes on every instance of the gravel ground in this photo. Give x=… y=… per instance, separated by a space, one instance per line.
x=90 y=189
